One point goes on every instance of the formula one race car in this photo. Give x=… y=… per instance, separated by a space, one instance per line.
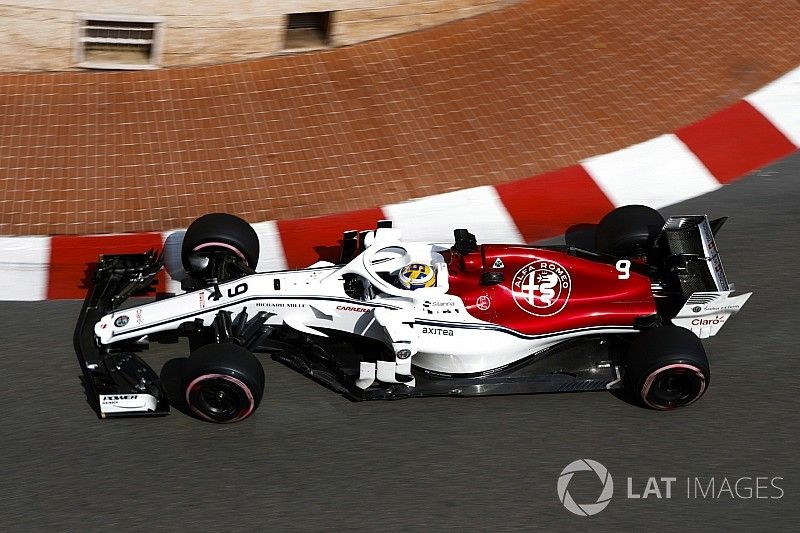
x=396 y=319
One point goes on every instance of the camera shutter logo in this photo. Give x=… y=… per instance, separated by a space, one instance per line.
x=585 y=509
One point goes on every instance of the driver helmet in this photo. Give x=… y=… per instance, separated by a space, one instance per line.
x=416 y=275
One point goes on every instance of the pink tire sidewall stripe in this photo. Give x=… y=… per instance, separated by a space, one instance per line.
x=233 y=249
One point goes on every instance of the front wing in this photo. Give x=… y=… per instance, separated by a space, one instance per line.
x=117 y=381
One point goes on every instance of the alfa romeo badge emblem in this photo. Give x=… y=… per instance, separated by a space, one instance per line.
x=542 y=288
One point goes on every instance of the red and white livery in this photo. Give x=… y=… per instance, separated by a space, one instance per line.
x=627 y=312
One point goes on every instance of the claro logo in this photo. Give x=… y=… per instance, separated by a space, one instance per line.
x=708 y=321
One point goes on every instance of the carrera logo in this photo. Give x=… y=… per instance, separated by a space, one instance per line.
x=353 y=309
x=542 y=288
x=437 y=331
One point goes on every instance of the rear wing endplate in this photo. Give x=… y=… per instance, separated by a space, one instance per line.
x=701 y=276
x=692 y=236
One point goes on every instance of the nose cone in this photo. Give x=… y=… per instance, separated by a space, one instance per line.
x=104 y=329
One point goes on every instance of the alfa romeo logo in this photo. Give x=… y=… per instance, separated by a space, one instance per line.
x=542 y=288
x=585 y=509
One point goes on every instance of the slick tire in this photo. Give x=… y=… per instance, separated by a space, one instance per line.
x=223 y=383
x=220 y=232
x=628 y=230
x=667 y=368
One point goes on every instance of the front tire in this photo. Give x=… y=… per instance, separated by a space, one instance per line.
x=219 y=233
x=223 y=383
x=667 y=368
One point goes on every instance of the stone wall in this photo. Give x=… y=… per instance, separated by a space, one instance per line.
x=43 y=34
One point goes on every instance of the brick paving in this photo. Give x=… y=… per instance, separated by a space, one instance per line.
x=517 y=92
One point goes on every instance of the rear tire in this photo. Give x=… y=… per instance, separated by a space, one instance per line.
x=220 y=233
x=667 y=368
x=223 y=383
x=628 y=230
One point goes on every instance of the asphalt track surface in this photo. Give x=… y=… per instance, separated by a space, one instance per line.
x=310 y=459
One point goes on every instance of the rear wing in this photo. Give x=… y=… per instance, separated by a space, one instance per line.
x=691 y=240
x=696 y=262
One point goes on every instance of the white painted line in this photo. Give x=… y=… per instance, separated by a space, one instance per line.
x=434 y=218
x=271 y=255
x=24 y=267
x=779 y=102
x=657 y=173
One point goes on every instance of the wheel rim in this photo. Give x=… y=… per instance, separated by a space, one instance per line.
x=219 y=398
x=673 y=386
